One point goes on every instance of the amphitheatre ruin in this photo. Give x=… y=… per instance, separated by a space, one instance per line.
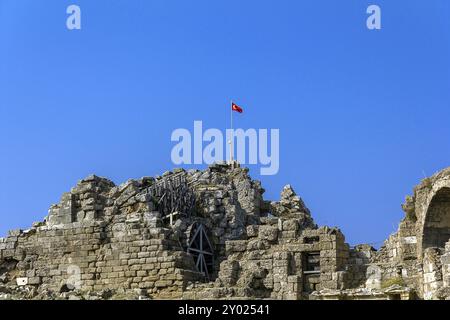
x=211 y=235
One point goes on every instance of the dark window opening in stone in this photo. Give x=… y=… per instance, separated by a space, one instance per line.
x=310 y=240
x=395 y=297
x=437 y=221
x=312 y=262
x=311 y=271
x=74 y=216
x=310 y=283
x=7 y=265
x=201 y=249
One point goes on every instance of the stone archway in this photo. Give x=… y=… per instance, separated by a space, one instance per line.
x=436 y=227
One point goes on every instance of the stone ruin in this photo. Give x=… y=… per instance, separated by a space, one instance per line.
x=211 y=235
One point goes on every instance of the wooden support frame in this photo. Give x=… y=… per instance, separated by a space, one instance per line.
x=201 y=249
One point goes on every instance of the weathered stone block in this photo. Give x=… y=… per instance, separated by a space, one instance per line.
x=268 y=233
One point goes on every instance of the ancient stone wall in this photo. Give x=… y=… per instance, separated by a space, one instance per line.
x=101 y=236
x=210 y=234
x=413 y=254
x=93 y=256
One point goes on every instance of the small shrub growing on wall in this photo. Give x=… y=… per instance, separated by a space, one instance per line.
x=391 y=282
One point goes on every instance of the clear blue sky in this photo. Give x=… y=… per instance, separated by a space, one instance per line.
x=362 y=114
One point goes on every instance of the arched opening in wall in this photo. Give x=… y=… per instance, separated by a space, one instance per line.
x=436 y=230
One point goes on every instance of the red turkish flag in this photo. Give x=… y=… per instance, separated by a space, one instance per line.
x=236 y=108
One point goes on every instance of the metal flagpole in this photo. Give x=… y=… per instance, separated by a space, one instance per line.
x=231 y=134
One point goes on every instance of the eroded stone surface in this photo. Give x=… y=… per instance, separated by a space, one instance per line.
x=210 y=234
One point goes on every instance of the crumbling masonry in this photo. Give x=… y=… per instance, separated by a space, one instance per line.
x=210 y=234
